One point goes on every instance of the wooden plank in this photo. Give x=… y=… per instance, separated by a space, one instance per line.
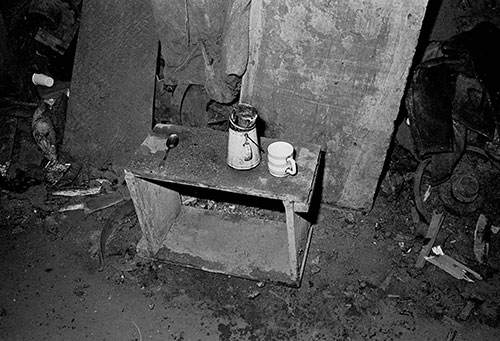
x=156 y=206
x=333 y=74
x=200 y=160
x=51 y=41
x=430 y=238
x=224 y=243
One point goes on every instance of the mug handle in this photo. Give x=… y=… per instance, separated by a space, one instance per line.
x=292 y=170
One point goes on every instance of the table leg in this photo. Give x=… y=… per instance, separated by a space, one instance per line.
x=156 y=207
x=297 y=232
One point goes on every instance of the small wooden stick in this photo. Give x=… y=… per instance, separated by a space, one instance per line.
x=434 y=226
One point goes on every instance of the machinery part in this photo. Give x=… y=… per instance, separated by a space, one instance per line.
x=461 y=194
x=464 y=187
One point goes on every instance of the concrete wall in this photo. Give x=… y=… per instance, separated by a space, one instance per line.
x=333 y=73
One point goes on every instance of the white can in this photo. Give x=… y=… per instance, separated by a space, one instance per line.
x=41 y=79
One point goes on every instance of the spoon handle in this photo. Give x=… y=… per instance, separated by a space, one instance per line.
x=162 y=162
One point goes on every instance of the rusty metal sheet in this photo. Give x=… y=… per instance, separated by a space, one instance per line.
x=111 y=102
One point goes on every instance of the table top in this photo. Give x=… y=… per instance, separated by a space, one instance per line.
x=200 y=160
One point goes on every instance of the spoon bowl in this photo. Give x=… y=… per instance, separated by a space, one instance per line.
x=172 y=142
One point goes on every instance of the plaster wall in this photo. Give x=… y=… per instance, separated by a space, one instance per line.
x=333 y=73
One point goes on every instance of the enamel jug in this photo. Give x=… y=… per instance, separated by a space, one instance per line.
x=243 y=150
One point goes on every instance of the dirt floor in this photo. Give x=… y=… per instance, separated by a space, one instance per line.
x=360 y=280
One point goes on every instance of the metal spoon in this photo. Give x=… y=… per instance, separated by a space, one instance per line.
x=172 y=141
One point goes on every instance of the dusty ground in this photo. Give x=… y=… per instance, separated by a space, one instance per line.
x=360 y=281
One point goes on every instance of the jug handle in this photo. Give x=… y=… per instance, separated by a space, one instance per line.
x=248 y=151
x=255 y=143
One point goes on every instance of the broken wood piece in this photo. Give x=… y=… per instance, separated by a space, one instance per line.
x=466 y=310
x=385 y=284
x=253 y=294
x=105 y=200
x=451 y=335
x=481 y=236
x=430 y=238
x=451 y=266
x=74 y=207
x=454 y=323
x=101 y=202
x=78 y=192
x=427 y=193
